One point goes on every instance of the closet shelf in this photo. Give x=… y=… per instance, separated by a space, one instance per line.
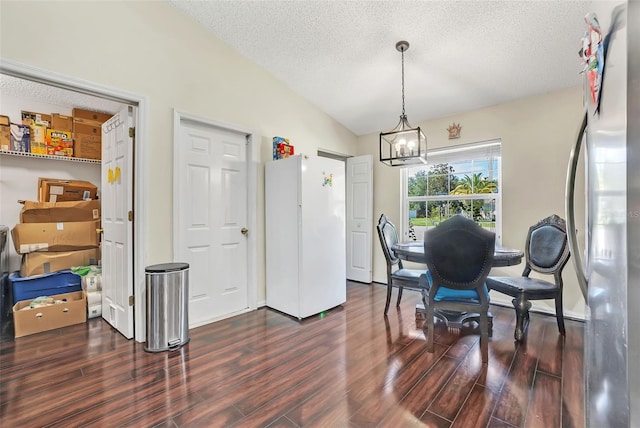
x=52 y=157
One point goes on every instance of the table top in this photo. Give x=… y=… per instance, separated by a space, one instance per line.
x=413 y=251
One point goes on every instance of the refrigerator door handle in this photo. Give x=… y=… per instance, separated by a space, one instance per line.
x=570 y=209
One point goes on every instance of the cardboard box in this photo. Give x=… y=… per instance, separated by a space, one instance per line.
x=57 y=190
x=276 y=142
x=5 y=138
x=20 y=138
x=42 y=262
x=69 y=236
x=86 y=147
x=54 y=212
x=89 y=117
x=59 y=143
x=61 y=122
x=88 y=140
x=285 y=150
x=88 y=129
x=29 y=321
x=32 y=117
x=4 y=120
x=38 y=136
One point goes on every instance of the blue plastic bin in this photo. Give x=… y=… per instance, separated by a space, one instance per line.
x=49 y=284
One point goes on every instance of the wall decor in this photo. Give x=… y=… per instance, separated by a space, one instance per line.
x=454 y=131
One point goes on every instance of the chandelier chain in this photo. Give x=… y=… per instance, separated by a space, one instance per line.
x=402 y=52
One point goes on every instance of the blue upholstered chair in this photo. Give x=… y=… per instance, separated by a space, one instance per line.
x=397 y=275
x=546 y=252
x=459 y=256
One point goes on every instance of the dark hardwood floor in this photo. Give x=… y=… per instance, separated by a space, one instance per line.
x=350 y=367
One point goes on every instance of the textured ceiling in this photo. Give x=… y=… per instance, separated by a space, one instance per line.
x=47 y=94
x=341 y=55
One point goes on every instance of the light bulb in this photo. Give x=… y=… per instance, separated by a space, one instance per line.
x=411 y=144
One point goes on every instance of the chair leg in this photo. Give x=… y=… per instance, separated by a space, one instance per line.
x=399 y=295
x=490 y=322
x=560 y=314
x=386 y=306
x=430 y=323
x=484 y=337
x=522 y=306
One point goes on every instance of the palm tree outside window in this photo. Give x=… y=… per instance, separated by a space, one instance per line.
x=456 y=180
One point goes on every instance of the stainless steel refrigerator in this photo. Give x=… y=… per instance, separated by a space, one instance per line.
x=610 y=273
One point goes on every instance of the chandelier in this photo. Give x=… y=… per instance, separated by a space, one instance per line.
x=404 y=145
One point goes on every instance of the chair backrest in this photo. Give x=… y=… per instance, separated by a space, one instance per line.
x=547 y=248
x=388 y=236
x=459 y=253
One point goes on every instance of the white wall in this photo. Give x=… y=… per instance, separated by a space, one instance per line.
x=152 y=49
x=537 y=136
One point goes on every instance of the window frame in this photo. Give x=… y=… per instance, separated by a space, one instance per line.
x=442 y=154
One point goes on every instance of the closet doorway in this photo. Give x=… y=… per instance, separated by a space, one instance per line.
x=133 y=324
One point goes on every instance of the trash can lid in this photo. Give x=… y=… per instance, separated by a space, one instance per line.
x=166 y=267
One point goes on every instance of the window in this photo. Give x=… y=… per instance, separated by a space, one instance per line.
x=457 y=180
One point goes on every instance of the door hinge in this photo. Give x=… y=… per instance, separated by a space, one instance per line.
x=130 y=215
x=131 y=300
x=132 y=132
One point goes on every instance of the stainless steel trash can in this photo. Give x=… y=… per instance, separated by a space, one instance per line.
x=167 y=290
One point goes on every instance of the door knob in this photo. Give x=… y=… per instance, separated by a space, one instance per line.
x=244 y=231
x=99 y=230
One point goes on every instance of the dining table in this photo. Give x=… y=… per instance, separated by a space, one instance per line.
x=413 y=251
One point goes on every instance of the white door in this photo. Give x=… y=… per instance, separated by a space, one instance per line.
x=117 y=243
x=359 y=217
x=211 y=230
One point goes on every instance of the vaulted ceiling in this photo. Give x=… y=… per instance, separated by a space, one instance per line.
x=464 y=55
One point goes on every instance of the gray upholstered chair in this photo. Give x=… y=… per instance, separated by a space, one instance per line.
x=397 y=275
x=459 y=256
x=546 y=252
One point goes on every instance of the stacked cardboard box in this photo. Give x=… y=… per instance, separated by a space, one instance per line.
x=87 y=133
x=55 y=236
x=60 y=230
x=59 y=190
x=61 y=122
x=52 y=238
